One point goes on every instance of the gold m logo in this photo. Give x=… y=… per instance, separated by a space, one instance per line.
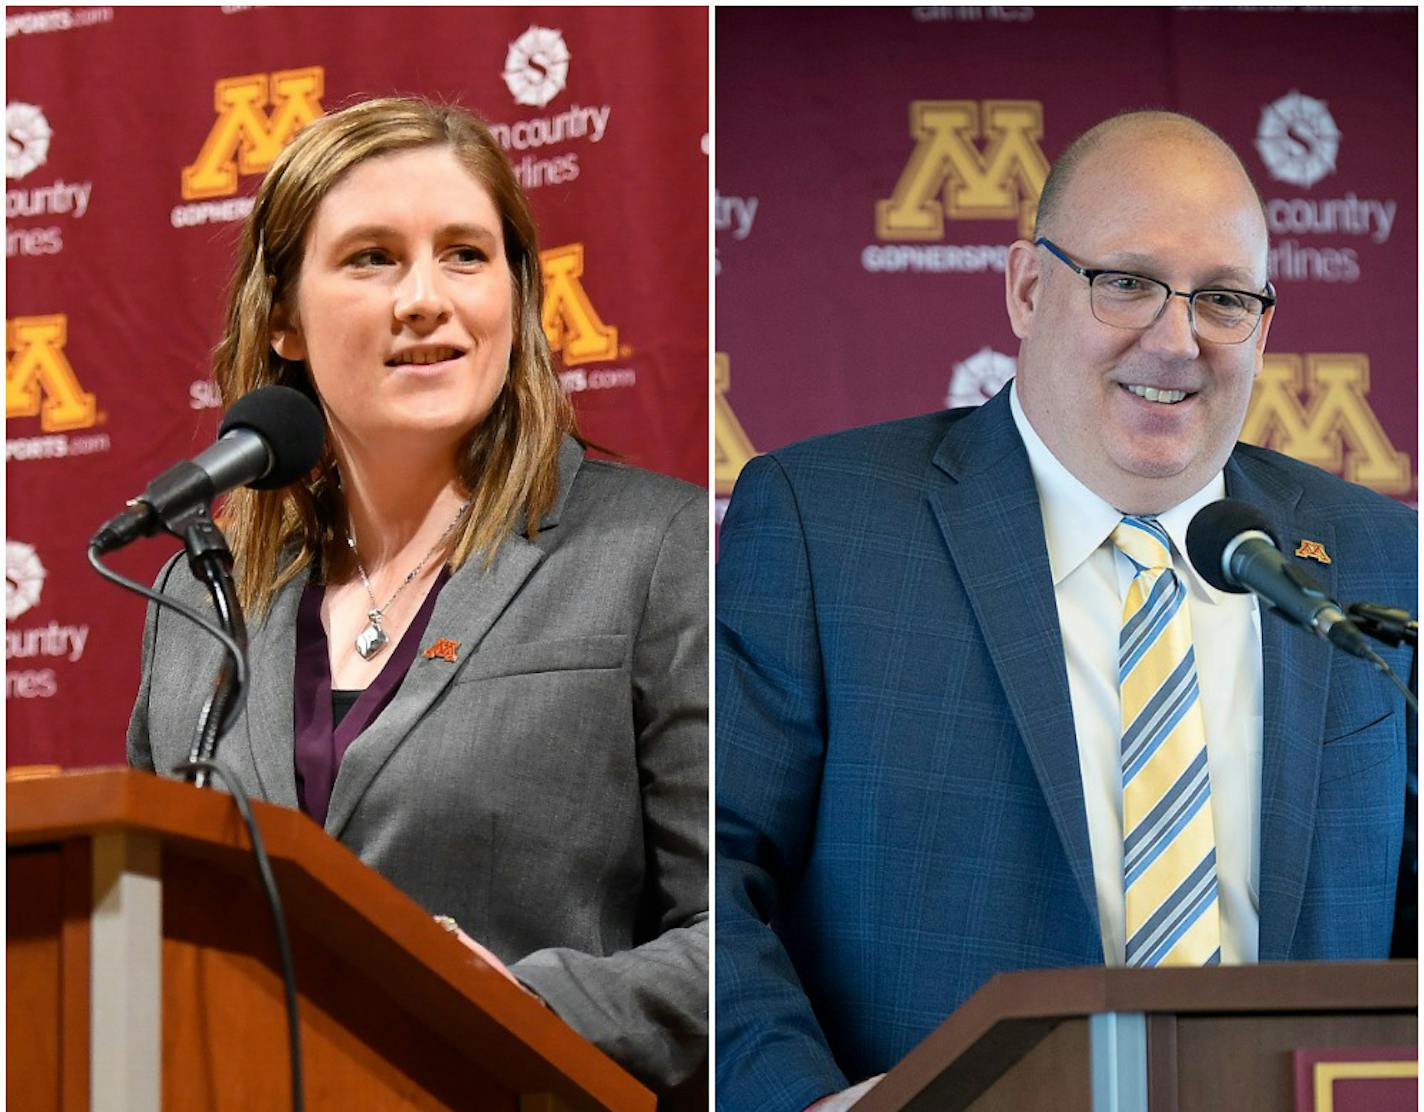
x=948 y=176
x=1316 y=411
x=245 y=140
x=734 y=447
x=39 y=382
x=571 y=323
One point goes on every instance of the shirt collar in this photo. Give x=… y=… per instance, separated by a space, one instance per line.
x=1176 y=520
x=1076 y=521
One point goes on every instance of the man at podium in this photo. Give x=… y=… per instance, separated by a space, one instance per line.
x=978 y=712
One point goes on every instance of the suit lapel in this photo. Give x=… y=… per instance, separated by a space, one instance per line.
x=987 y=507
x=470 y=603
x=1295 y=669
x=268 y=716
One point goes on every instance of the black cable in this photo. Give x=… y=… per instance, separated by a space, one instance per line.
x=238 y=656
x=1384 y=623
x=274 y=901
x=1378 y=661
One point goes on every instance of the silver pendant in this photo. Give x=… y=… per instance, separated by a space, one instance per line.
x=372 y=639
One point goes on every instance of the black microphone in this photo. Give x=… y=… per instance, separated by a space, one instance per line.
x=269 y=438
x=1231 y=545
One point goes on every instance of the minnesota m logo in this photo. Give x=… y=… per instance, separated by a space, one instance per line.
x=948 y=176
x=1316 y=411
x=734 y=447
x=570 y=321
x=39 y=382
x=245 y=139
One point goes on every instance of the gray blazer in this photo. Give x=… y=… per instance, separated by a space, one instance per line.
x=549 y=788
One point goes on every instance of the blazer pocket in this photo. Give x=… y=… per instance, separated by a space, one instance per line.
x=597 y=651
x=1360 y=749
x=1355 y=735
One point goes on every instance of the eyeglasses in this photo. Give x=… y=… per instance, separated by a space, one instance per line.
x=1132 y=301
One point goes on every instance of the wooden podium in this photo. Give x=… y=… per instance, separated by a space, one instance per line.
x=1149 y=1040
x=143 y=971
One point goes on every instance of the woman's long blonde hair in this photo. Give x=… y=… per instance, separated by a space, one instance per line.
x=508 y=465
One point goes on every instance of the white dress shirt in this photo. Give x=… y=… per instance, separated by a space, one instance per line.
x=1090 y=581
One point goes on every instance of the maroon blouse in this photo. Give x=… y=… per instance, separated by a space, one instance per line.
x=320 y=745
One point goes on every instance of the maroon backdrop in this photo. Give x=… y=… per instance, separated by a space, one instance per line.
x=135 y=140
x=873 y=166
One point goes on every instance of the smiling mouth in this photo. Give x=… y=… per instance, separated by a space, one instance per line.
x=425 y=357
x=1153 y=394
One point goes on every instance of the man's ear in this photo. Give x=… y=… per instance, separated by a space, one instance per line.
x=1021 y=275
x=287 y=340
x=1261 y=330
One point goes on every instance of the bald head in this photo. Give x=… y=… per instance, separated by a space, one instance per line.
x=1133 y=141
x=1144 y=416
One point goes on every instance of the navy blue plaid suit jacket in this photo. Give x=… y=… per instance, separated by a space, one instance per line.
x=899 y=805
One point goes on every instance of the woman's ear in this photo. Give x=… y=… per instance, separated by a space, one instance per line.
x=286 y=335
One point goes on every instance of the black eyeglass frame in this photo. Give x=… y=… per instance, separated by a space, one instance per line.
x=1267 y=299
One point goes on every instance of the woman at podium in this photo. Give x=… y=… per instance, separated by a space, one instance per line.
x=478 y=657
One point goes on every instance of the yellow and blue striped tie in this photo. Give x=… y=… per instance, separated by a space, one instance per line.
x=1169 y=846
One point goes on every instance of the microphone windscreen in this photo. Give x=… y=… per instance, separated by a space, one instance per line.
x=1213 y=528
x=291 y=425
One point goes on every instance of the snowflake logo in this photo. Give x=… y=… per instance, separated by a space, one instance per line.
x=536 y=69
x=1298 y=139
x=24 y=578
x=27 y=134
x=979 y=377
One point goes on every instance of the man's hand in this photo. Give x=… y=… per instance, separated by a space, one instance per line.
x=839 y=1102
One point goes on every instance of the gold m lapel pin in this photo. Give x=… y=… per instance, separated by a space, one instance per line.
x=1313 y=550
x=443 y=649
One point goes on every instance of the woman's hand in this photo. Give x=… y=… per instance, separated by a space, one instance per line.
x=484 y=955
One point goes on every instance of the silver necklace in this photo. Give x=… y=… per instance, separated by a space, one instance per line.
x=373 y=639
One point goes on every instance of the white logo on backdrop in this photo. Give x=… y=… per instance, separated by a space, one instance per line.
x=536 y=69
x=979 y=377
x=27 y=135
x=1298 y=139
x=24 y=578
x=51 y=642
